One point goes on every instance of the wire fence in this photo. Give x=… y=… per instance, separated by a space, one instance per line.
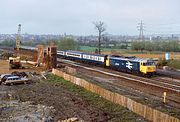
x=143 y=110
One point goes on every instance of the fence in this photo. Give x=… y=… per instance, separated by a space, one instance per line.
x=143 y=110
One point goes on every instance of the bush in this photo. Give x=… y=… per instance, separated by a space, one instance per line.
x=170 y=45
x=174 y=64
x=67 y=44
x=162 y=62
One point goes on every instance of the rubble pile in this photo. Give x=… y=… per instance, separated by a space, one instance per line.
x=25 y=112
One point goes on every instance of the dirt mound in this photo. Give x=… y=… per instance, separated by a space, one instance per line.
x=66 y=103
x=11 y=109
x=25 y=112
x=48 y=102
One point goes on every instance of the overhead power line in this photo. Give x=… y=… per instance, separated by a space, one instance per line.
x=141 y=30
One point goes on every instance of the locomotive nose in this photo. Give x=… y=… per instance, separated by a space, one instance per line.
x=151 y=68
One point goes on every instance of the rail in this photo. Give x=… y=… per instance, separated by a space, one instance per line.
x=143 y=110
x=124 y=77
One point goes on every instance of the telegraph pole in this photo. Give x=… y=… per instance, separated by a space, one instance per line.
x=141 y=30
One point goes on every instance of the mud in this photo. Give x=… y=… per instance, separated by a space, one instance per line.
x=47 y=101
x=12 y=109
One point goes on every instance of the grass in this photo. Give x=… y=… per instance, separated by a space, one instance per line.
x=88 y=49
x=117 y=112
x=124 y=51
x=174 y=64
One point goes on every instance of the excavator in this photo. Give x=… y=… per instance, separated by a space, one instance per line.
x=15 y=62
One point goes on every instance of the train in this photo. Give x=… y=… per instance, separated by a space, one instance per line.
x=131 y=64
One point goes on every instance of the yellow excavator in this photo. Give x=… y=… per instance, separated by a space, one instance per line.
x=15 y=62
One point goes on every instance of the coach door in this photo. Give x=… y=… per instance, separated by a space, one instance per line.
x=106 y=60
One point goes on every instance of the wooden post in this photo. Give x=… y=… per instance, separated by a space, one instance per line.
x=164 y=96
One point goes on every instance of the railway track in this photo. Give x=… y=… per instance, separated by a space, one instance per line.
x=134 y=85
x=164 y=84
x=156 y=82
x=168 y=73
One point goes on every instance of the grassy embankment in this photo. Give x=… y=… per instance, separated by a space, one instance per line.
x=174 y=63
x=117 y=112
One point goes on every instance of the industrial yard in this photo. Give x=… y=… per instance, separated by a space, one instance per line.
x=43 y=100
x=50 y=98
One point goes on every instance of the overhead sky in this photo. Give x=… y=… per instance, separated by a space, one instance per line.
x=76 y=16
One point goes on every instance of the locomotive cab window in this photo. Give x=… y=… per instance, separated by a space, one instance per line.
x=148 y=64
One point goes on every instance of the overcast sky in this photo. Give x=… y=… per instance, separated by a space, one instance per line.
x=76 y=16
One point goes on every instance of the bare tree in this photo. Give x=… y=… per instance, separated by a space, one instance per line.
x=100 y=26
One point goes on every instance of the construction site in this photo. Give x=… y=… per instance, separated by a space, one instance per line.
x=37 y=85
x=42 y=101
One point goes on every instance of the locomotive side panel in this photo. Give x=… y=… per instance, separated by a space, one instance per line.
x=125 y=65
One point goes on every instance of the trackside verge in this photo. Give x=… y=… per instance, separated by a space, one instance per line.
x=143 y=110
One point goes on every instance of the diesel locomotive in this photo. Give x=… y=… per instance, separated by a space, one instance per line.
x=132 y=65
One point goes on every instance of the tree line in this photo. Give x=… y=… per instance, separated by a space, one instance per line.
x=71 y=44
x=8 y=43
x=67 y=44
x=168 y=46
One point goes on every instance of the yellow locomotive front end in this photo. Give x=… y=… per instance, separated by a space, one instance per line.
x=148 y=67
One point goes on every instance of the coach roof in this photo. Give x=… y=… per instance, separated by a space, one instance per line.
x=130 y=58
x=71 y=51
x=102 y=55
